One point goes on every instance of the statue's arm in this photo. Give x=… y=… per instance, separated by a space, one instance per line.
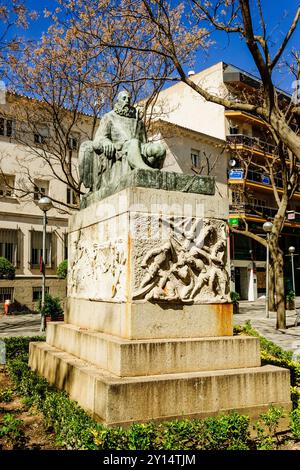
x=152 y=252
x=142 y=133
x=103 y=133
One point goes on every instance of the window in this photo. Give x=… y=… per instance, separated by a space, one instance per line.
x=66 y=245
x=6 y=293
x=37 y=293
x=6 y=127
x=71 y=196
x=196 y=158
x=41 y=188
x=233 y=130
x=7 y=183
x=39 y=139
x=9 y=244
x=73 y=142
x=37 y=248
x=40 y=135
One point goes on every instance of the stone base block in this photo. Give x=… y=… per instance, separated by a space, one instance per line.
x=146 y=320
x=153 y=357
x=121 y=401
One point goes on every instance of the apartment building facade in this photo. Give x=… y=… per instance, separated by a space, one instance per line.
x=24 y=179
x=232 y=137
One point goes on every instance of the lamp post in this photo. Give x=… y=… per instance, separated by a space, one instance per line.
x=267 y=227
x=45 y=205
x=292 y=250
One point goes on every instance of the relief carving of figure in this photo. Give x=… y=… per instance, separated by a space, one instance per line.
x=188 y=268
x=120 y=145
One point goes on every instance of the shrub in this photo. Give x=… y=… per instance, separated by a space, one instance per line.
x=18 y=346
x=290 y=296
x=62 y=269
x=267 y=428
x=12 y=429
x=6 y=395
x=295 y=423
x=273 y=354
x=7 y=269
x=295 y=397
x=235 y=297
x=52 y=307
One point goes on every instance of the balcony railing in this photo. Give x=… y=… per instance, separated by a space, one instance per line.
x=254 y=143
x=253 y=209
x=261 y=178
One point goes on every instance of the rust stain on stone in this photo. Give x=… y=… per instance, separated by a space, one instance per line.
x=224 y=318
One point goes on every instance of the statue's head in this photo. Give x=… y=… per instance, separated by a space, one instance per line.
x=123 y=105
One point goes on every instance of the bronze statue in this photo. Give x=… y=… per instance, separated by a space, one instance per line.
x=120 y=145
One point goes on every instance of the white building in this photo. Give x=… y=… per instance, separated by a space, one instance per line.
x=24 y=179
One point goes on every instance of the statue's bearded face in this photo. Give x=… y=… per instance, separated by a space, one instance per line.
x=123 y=105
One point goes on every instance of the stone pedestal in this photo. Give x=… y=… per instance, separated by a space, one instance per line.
x=148 y=327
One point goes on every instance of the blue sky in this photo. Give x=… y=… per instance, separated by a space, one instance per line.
x=230 y=49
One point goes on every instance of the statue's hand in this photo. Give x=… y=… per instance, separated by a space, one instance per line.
x=108 y=149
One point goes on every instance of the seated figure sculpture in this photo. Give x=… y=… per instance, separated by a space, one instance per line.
x=120 y=145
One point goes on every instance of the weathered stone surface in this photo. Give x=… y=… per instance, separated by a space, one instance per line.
x=142 y=320
x=152 y=357
x=121 y=401
x=148 y=331
x=154 y=179
x=147 y=248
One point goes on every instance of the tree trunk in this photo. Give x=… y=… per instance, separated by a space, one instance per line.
x=272 y=303
x=279 y=289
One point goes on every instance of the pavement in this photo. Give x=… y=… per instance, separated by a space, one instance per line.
x=288 y=339
x=20 y=325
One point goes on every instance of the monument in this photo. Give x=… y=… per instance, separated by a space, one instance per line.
x=148 y=327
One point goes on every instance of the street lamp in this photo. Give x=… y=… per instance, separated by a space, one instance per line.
x=292 y=250
x=267 y=227
x=45 y=205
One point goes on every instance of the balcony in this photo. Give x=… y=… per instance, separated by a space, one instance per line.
x=258 y=178
x=251 y=143
x=253 y=210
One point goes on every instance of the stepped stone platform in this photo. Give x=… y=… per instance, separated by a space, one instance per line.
x=148 y=328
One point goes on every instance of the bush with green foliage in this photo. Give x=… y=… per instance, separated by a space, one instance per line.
x=17 y=347
x=235 y=297
x=290 y=296
x=7 y=269
x=12 y=430
x=267 y=429
x=295 y=423
x=62 y=269
x=52 y=307
x=6 y=395
x=271 y=353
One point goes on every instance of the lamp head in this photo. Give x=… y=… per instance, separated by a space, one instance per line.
x=292 y=249
x=45 y=204
x=232 y=162
x=268 y=227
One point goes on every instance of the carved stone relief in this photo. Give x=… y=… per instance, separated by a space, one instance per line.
x=97 y=271
x=190 y=265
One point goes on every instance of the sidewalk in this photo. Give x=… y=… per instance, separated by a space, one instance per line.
x=20 y=325
x=288 y=339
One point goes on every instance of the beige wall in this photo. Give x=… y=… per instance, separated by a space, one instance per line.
x=178 y=158
x=23 y=291
x=181 y=105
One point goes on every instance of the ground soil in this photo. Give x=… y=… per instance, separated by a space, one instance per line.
x=36 y=437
